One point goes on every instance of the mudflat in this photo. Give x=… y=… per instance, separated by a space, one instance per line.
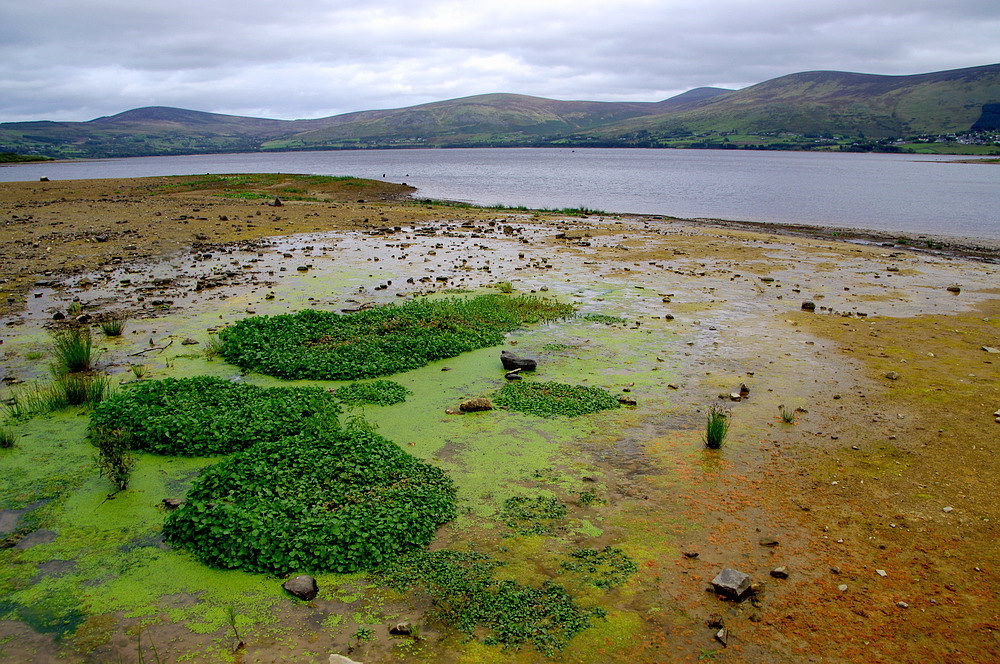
x=856 y=486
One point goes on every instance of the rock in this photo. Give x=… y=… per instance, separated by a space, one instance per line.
x=902 y=605
x=452 y=411
x=340 y=659
x=882 y=573
x=172 y=503
x=732 y=583
x=947 y=509
x=744 y=390
x=991 y=349
x=514 y=375
x=690 y=554
x=722 y=635
x=954 y=288
x=842 y=587
x=767 y=541
x=58 y=316
x=892 y=375
x=511 y=361
x=714 y=621
x=303 y=586
x=626 y=401
x=277 y=202
x=780 y=572
x=475 y=405
x=401 y=629
x=83 y=319
x=189 y=342
x=808 y=306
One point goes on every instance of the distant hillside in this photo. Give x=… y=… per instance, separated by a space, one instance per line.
x=808 y=110
x=830 y=103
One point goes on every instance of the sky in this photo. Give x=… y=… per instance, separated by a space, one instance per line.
x=80 y=59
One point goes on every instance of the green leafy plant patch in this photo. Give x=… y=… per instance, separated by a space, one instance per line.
x=552 y=398
x=382 y=341
x=537 y=515
x=467 y=596
x=605 y=568
x=204 y=416
x=324 y=500
x=377 y=392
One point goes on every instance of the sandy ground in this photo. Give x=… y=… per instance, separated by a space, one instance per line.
x=880 y=499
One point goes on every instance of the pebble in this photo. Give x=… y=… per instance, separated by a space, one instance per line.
x=780 y=572
x=902 y=605
x=842 y=587
x=947 y=509
x=881 y=572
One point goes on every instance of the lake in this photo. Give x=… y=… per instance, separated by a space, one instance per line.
x=904 y=193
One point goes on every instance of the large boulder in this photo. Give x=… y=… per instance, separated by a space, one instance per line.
x=511 y=361
x=476 y=405
x=303 y=586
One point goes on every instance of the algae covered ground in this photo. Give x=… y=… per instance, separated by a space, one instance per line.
x=575 y=534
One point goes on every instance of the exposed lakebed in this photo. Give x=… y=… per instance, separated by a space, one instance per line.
x=701 y=311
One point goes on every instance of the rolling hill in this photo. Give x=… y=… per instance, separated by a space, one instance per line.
x=799 y=111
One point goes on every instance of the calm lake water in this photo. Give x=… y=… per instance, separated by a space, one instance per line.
x=906 y=193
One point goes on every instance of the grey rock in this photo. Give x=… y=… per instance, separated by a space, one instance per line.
x=892 y=375
x=732 y=583
x=511 y=361
x=808 y=306
x=722 y=636
x=401 y=629
x=303 y=586
x=340 y=659
x=780 y=572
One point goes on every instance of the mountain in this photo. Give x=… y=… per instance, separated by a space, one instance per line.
x=801 y=111
x=831 y=103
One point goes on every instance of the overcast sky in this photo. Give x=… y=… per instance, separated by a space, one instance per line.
x=80 y=59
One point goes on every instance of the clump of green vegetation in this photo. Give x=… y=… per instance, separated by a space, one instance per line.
x=716 y=428
x=605 y=568
x=7 y=438
x=75 y=308
x=78 y=389
x=533 y=516
x=552 y=398
x=504 y=287
x=114 y=457
x=73 y=349
x=556 y=347
x=382 y=341
x=604 y=319
x=324 y=500
x=377 y=392
x=206 y=416
x=587 y=498
x=114 y=325
x=34 y=355
x=138 y=370
x=212 y=348
x=466 y=595
x=787 y=416
x=73 y=389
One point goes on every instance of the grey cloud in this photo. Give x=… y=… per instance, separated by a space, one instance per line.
x=76 y=60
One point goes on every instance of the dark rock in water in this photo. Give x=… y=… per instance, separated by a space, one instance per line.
x=511 y=361
x=514 y=375
x=744 y=390
x=303 y=586
x=172 y=503
x=808 y=306
x=476 y=404
x=58 y=316
x=189 y=342
x=626 y=401
x=732 y=583
x=954 y=288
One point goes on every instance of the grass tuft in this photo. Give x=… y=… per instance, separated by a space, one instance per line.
x=7 y=438
x=114 y=325
x=716 y=428
x=787 y=416
x=73 y=349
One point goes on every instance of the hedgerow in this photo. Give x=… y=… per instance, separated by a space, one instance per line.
x=467 y=596
x=324 y=500
x=382 y=341
x=205 y=416
x=552 y=398
x=377 y=392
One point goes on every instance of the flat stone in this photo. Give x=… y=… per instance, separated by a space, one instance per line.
x=475 y=405
x=732 y=583
x=892 y=375
x=767 y=541
x=780 y=572
x=991 y=349
x=340 y=659
x=303 y=586
x=511 y=361
x=722 y=636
